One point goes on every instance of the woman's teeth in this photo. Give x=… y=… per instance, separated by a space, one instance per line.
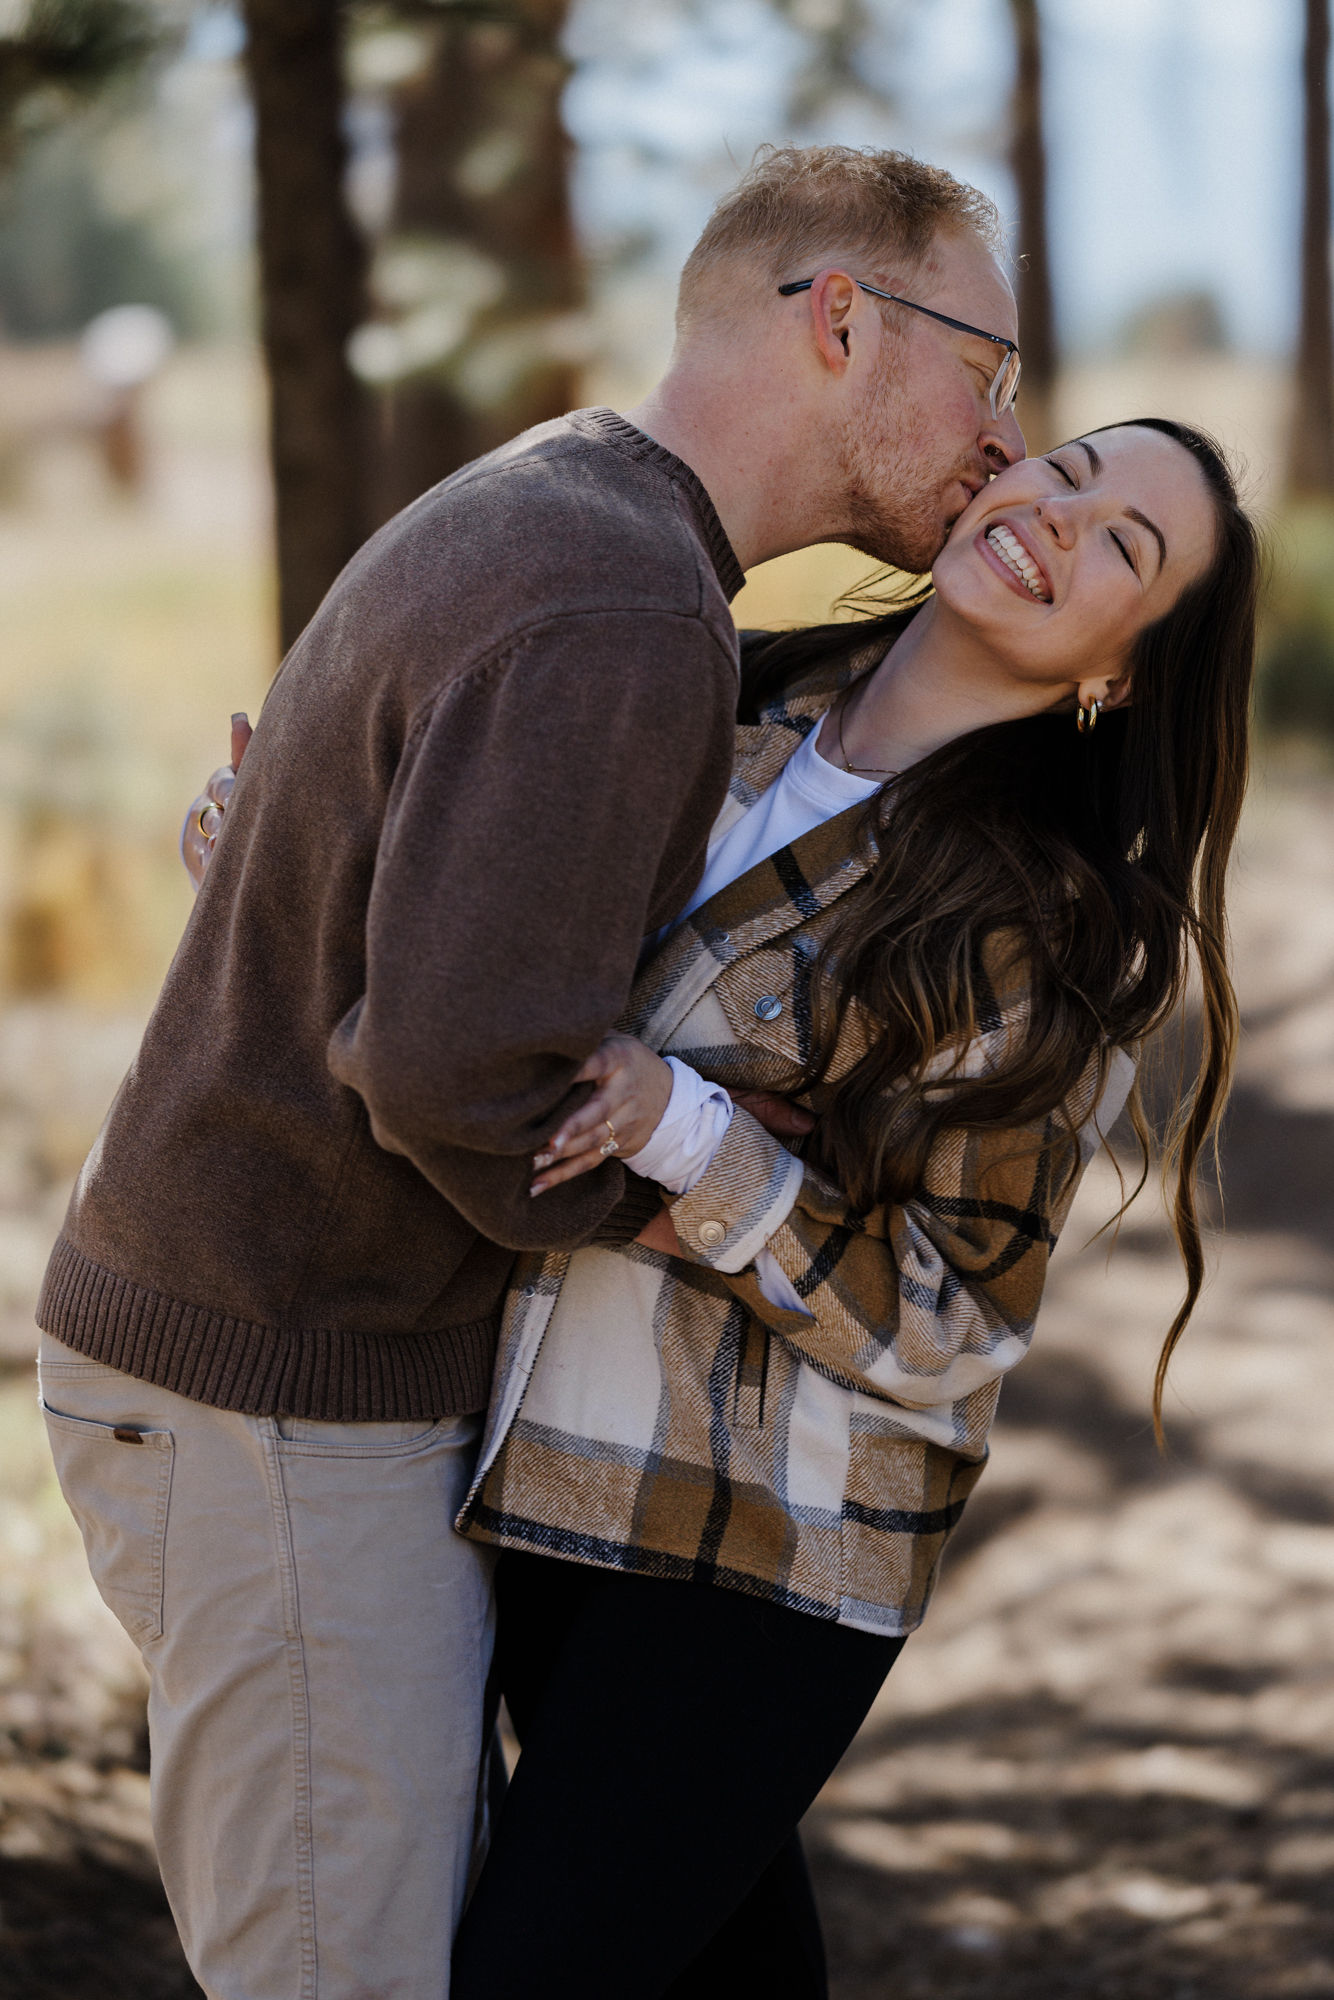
x=1012 y=552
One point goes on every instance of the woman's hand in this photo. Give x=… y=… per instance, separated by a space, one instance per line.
x=621 y=1116
x=203 y=822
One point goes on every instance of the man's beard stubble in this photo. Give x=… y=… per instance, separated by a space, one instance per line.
x=892 y=510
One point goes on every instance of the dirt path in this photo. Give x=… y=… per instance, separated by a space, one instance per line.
x=1105 y=1768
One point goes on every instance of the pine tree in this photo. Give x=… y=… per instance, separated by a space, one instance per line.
x=312 y=296
x=1312 y=456
x=481 y=252
x=1028 y=164
x=64 y=50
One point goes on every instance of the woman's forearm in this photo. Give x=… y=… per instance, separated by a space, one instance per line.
x=687 y=1135
x=919 y=1303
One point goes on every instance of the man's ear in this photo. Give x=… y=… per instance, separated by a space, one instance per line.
x=834 y=299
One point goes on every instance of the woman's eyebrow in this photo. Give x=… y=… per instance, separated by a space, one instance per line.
x=1156 y=532
x=1095 y=466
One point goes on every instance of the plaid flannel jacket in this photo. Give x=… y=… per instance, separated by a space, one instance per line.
x=657 y=1414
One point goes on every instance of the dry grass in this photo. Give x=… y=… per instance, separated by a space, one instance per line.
x=132 y=629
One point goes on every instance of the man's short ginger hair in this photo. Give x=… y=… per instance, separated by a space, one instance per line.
x=801 y=207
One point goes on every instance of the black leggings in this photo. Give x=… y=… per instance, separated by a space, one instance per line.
x=673 y=1735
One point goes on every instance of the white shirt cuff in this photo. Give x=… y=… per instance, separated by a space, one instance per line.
x=687 y=1135
x=776 y=1286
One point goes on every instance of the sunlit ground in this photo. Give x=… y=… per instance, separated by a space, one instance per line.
x=1106 y=1766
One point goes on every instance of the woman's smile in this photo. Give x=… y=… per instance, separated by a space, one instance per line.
x=1008 y=553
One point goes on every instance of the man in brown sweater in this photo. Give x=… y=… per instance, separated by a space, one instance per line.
x=487 y=770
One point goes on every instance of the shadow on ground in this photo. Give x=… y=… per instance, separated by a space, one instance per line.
x=82 y=1927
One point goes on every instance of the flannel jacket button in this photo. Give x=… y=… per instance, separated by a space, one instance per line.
x=768 y=1008
x=711 y=1234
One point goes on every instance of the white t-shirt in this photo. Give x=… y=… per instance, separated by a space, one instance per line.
x=806 y=792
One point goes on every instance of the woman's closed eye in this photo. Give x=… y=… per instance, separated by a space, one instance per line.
x=1124 y=550
x=1070 y=480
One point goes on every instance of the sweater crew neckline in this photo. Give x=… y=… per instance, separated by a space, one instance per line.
x=624 y=436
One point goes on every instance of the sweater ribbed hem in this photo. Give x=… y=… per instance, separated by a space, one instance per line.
x=237 y=1364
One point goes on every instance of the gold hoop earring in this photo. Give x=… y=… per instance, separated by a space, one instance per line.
x=1086 y=719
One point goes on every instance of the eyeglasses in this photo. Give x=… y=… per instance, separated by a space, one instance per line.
x=1004 y=383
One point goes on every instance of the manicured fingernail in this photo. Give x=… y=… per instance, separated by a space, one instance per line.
x=240 y=716
x=538 y=1187
x=543 y=1159
x=556 y=1143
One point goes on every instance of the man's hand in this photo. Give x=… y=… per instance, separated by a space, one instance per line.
x=660 y=1234
x=621 y=1116
x=203 y=822
x=778 y=1115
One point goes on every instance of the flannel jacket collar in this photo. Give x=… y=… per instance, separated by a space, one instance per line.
x=779 y=893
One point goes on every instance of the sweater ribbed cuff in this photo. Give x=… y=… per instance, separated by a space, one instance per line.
x=634 y=1211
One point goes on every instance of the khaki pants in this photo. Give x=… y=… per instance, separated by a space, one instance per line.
x=317 y=1639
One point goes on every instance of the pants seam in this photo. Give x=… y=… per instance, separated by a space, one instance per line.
x=303 y=1789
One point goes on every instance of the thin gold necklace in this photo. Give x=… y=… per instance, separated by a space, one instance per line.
x=856 y=770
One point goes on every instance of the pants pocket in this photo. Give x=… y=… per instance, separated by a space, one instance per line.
x=317 y=1437
x=361 y=1439
x=116 y=1480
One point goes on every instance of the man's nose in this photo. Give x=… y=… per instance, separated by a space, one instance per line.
x=1002 y=441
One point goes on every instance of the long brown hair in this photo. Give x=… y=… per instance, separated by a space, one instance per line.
x=1095 y=863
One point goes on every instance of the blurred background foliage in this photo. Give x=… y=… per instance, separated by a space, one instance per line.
x=394 y=201
x=396 y=232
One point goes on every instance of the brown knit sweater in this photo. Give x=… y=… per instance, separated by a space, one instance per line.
x=488 y=767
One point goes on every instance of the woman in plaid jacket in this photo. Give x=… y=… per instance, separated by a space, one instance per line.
x=722 y=1462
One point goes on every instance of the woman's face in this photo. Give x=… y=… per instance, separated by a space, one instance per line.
x=1062 y=561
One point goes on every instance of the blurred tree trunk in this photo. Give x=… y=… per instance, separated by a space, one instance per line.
x=312 y=296
x=1028 y=164
x=1312 y=460
x=482 y=236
